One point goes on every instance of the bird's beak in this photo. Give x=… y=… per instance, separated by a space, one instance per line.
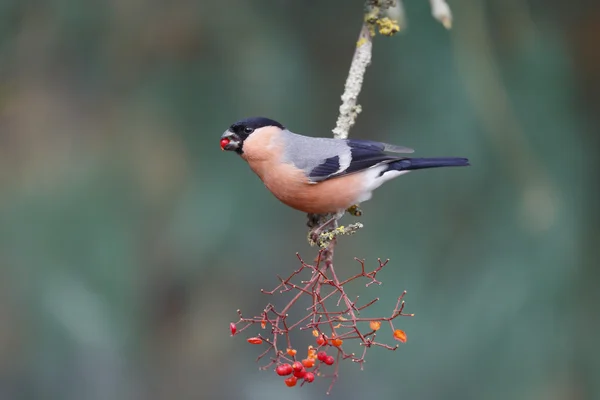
x=229 y=141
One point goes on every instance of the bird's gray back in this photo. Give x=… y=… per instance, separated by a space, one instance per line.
x=307 y=153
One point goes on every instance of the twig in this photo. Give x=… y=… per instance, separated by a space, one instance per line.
x=333 y=317
x=441 y=11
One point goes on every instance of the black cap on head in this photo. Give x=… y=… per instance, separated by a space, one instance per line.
x=246 y=126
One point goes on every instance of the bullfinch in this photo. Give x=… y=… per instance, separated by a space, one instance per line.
x=320 y=175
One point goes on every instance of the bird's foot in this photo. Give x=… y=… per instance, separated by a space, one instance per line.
x=354 y=210
x=313 y=220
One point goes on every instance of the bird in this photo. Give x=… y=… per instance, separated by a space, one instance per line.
x=320 y=175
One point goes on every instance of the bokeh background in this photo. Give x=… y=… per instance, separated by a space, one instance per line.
x=128 y=239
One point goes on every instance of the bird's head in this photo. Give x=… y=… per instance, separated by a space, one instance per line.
x=233 y=138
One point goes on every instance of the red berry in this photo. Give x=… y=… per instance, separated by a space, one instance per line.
x=309 y=377
x=321 y=356
x=329 y=360
x=299 y=373
x=298 y=369
x=283 y=369
x=232 y=328
x=224 y=142
x=321 y=341
x=291 y=381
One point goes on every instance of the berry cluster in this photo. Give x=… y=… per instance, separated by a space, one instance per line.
x=333 y=318
x=304 y=369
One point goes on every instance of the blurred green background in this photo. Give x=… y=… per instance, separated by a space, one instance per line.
x=128 y=239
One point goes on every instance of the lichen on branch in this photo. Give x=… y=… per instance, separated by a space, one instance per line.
x=350 y=109
x=324 y=239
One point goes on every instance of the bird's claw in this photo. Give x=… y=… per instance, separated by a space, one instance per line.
x=354 y=210
x=313 y=220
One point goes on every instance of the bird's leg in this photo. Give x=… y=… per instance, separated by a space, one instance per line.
x=314 y=219
x=329 y=221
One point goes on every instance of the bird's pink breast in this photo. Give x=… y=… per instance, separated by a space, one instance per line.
x=291 y=187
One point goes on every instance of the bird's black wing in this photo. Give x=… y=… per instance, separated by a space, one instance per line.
x=355 y=156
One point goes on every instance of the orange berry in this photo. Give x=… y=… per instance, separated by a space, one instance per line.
x=232 y=328
x=375 y=325
x=263 y=324
x=308 y=363
x=315 y=333
x=283 y=369
x=329 y=360
x=400 y=335
x=337 y=342
x=254 y=340
x=291 y=381
x=312 y=353
x=309 y=377
x=291 y=352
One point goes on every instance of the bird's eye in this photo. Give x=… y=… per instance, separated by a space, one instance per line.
x=248 y=130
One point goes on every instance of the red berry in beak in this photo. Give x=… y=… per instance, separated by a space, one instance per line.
x=224 y=142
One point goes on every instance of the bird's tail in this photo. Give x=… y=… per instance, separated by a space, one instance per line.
x=408 y=164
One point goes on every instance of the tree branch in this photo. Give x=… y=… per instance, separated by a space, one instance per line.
x=349 y=109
